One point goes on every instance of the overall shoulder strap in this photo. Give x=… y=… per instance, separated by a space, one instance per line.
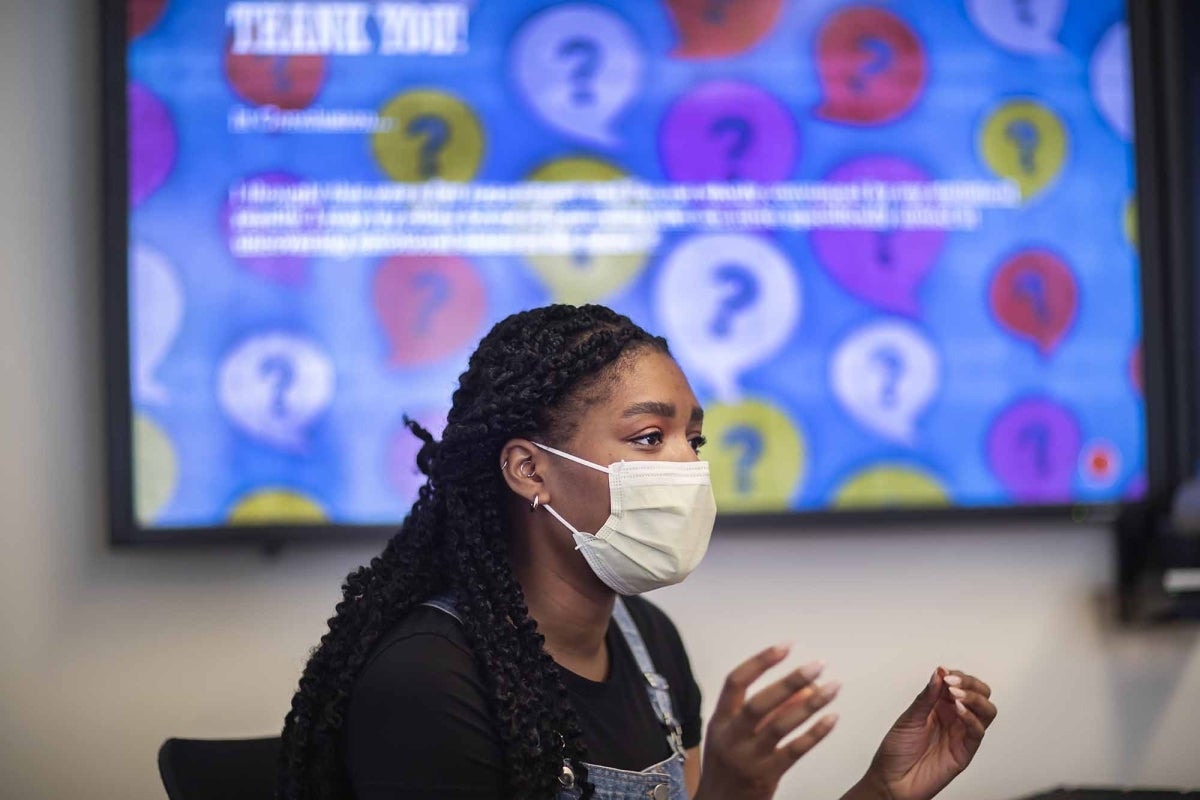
x=656 y=685
x=443 y=602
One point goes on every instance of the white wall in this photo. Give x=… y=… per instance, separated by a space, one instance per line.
x=103 y=654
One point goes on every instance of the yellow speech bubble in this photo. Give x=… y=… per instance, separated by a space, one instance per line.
x=275 y=506
x=584 y=277
x=1130 y=221
x=891 y=486
x=1025 y=141
x=756 y=455
x=155 y=469
x=432 y=135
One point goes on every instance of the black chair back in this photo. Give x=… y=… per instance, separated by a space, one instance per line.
x=219 y=769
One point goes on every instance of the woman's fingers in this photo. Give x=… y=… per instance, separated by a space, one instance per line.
x=961 y=680
x=974 y=726
x=791 y=752
x=796 y=712
x=763 y=703
x=733 y=693
x=981 y=706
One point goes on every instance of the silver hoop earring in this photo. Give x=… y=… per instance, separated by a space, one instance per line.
x=504 y=466
x=532 y=470
x=536 y=501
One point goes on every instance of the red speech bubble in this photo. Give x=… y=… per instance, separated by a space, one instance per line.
x=1034 y=296
x=1135 y=368
x=141 y=15
x=721 y=28
x=288 y=82
x=871 y=65
x=429 y=306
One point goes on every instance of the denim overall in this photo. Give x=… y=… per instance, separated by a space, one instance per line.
x=661 y=781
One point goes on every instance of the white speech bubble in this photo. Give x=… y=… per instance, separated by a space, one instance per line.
x=885 y=374
x=726 y=302
x=577 y=66
x=1109 y=77
x=274 y=385
x=156 y=311
x=1022 y=26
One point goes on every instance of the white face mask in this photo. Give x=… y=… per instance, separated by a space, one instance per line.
x=660 y=518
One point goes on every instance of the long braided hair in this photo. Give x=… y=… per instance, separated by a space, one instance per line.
x=531 y=376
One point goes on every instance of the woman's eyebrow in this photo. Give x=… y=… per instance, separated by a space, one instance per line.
x=655 y=407
x=697 y=415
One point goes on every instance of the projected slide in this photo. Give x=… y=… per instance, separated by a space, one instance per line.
x=893 y=245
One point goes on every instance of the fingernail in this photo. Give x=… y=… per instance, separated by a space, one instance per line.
x=832 y=719
x=959 y=693
x=942 y=670
x=831 y=688
x=781 y=650
x=953 y=680
x=959 y=705
x=811 y=670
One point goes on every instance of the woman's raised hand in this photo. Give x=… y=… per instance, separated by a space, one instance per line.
x=744 y=752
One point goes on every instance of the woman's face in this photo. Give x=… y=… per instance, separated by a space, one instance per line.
x=648 y=413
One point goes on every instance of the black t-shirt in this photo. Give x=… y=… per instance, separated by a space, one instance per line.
x=418 y=723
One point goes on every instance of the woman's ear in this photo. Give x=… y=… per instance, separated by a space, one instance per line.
x=520 y=461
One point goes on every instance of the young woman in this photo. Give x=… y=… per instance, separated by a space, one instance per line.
x=497 y=648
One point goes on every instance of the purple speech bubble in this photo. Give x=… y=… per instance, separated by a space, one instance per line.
x=882 y=267
x=152 y=142
x=1033 y=449
x=728 y=130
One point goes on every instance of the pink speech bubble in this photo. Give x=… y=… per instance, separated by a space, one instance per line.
x=721 y=28
x=429 y=306
x=871 y=65
x=1034 y=296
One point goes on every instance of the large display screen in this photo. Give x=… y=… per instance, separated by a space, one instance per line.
x=892 y=244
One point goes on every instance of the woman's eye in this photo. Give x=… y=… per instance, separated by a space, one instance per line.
x=649 y=439
x=698 y=442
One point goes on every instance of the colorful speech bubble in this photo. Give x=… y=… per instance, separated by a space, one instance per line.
x=882 y=267
x=885 y=374
x=1028 y=27
x=887 y=485
x=276 y=506
x=141 y=16
x=871 y=66
x=153 y=144
x=727 y=302
x=283 y=269
x=577 y=66
x=429 y=306
x=1034 y=296
x=156 y=313
x=1110 y=80
x=583 y=276
x=433 y=135
x=401 y=458
x=728 y=130
x=155 y=470
x=1135 y=368
x=721 y=28
x=273 y=386
x=1026 y=142
x=756 y=455
x=285 y=82
x=1129 y=222
x=1033 y=450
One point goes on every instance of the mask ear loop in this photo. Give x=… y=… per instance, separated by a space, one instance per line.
x=566 y=524
x=570 y=457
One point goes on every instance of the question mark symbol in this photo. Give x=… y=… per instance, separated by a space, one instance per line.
x=892 y=364
x=741 y=133
x=434 y=132
x=1037 y=437
x=879 y=58
x=714 y=12
x=1024 y=13
x=436 y=287
x=279 y=71
x=883 y=248
x=1032 y=286
x=742 y=295
x=279 y=371
x=1024 y=135
x=586 y=54
x=748 y=443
